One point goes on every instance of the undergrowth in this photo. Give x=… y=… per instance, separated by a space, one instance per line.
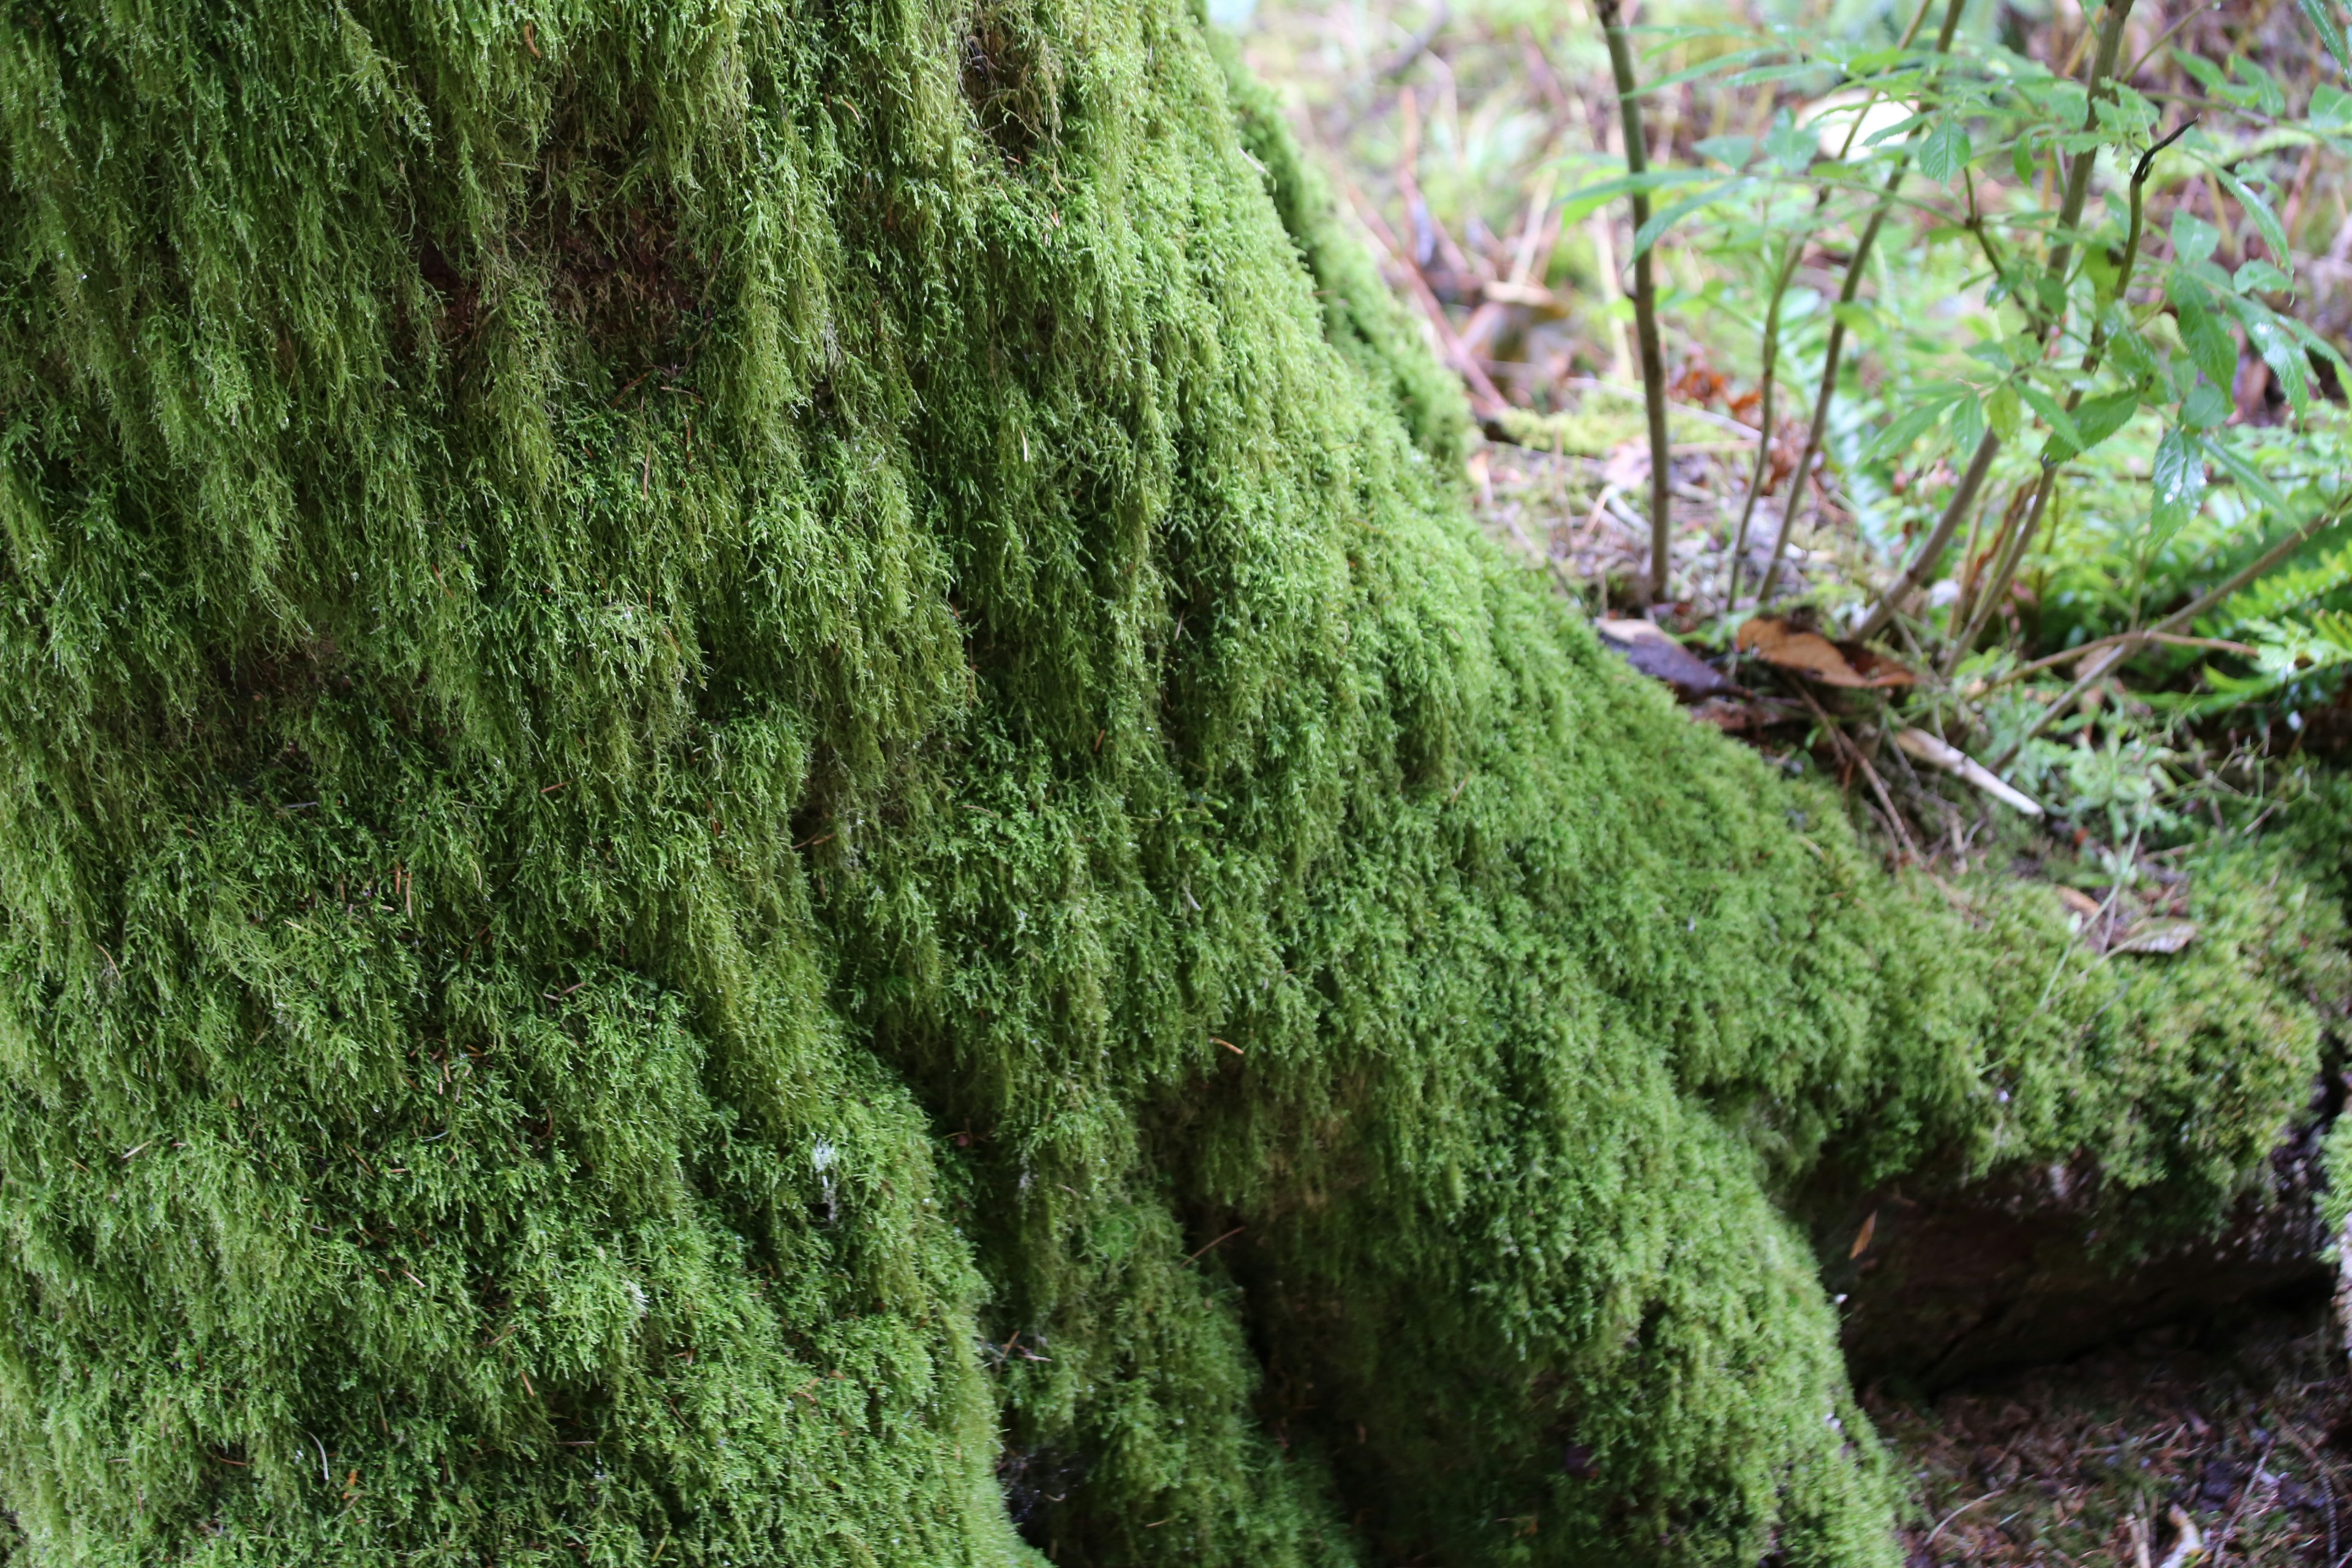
x=763 y=804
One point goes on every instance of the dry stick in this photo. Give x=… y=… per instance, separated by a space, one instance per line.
x=1877 y=785
x=2171 y=622
x=1485 y=398
x=2169 y=639
x=1645 y=299
x=1833 y=352
x=2070 y=213
x=2014 y=555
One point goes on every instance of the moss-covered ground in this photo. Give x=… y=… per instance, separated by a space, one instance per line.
x=764 y=803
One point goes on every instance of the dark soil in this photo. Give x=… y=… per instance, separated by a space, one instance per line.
x=2241 y=1426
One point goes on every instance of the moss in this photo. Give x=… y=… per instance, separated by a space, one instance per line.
x=762 y=803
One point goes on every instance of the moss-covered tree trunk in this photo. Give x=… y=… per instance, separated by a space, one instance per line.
x=762 y=805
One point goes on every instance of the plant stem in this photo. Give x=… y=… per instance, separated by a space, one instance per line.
x=1646 y=299
x=1765 y=418
x=2070 y=213
x=2092 y=353
x=1835 y=349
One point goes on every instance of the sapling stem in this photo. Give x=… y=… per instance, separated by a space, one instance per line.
x=1771 y=348
x=2070 y=213
x=1765 y=418
x=1645 y=299
x=1835 y=352
x=2093 y=353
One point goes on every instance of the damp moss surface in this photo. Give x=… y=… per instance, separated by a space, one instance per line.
x=763 y=804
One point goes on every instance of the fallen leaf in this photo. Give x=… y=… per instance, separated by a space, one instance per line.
x=1813 y=655
x=1861 y=1238
x=2081 y=902
x=2157 y=936
x=1649 y=650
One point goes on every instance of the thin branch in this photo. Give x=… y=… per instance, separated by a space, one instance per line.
x=2172 y=623
x=1835 y=349
x=1646 y=299
x=2093 y=354
x=2070 y=214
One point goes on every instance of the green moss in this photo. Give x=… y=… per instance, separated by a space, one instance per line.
x=762 y=800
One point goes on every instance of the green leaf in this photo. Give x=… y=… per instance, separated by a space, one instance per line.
x=2269 y=97
x=1647 y=234
x=1945 y=151
x=2273 y=233
x=1790 y=145
x=1582 y=203
x=2278 y=348
x=2020 y=159
x=2259 y=277
x=2180 y=484
x=2208 y=75
x=1734 y=152
x=2099 y=417
x=2193 y=238
x=2331 y=110
x=1899 y=436
x=1705 y=69
x=2206 y=406
x=2256 y=482
x=2005 y=412
x=2209 y=343
x=2062 y=423
x=2127 y=346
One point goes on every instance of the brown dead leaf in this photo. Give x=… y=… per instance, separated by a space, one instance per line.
x=2157 y=937
x=1649 y=649
x=1813 y=655
x=2081 y=902
x=1861 y=1238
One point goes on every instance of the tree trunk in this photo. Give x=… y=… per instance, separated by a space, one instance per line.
x=765 y=805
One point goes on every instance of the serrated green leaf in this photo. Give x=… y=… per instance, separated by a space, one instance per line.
x=1790 y=145
x=2206 y=406
x=1899 y=436
x=2193 y=238
x=2005 y=412
x=1945 y=151
x=2069 y=440
x=2273 y=233
x=2097 y=418
x=2259 y=277
x=2278 y=349
x=2208 y=75
x=2209 y=343
x=1582 y=203
x=2257 y=483
x=2179 y=485
x=1734 y=152
x=1647 y=234
x=1705 y=69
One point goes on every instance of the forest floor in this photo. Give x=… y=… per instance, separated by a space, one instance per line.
x=2208 y=1442
x=2229 y=1439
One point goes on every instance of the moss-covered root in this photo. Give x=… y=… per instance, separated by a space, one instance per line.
x=761 y=806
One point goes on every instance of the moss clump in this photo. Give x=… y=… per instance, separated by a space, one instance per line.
x=763 y=805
